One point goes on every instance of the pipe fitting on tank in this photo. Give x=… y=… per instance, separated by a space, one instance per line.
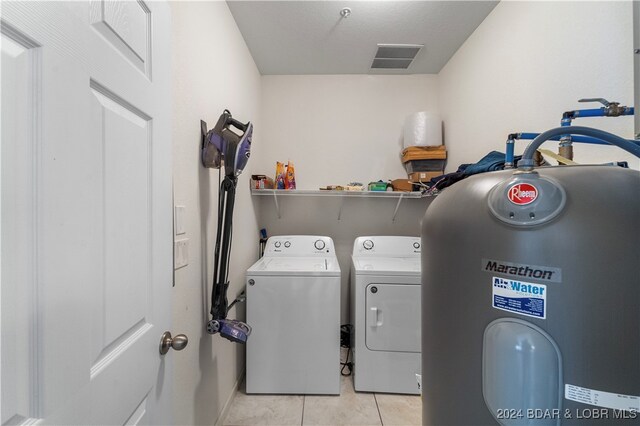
x=527 y=171
x=525 y=165
x=565 y=148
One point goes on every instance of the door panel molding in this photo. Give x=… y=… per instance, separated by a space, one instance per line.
x=126 y=26
x=21 y=319
x=115 y=348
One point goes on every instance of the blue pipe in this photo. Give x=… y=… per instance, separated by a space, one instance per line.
x=530 y=136
x=599 y=112
x=527 y=158
x=568 y=116
x=587 y=139
x=508 y=161
x=576 y=138
x=596 y=112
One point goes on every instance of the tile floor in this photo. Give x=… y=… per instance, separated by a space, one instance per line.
x=350 y=408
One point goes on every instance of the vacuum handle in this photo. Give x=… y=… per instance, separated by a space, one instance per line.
x=238 y=124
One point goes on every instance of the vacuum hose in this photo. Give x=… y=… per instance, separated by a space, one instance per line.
x=527 y=158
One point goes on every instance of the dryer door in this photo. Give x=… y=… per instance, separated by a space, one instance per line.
x=393 y=317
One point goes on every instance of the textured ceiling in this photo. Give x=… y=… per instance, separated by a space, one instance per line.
x=310 y=37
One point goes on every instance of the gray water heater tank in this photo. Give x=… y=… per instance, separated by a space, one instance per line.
x=531 y=299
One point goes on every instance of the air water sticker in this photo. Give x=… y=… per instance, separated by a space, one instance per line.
x=615 y=401
x=522 y=298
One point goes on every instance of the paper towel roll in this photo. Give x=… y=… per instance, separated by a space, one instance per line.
x=422 y=129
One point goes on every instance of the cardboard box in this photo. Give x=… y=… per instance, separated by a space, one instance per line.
x=414 y=166
x=424 y=153
x=424 y=176
x=402 y=185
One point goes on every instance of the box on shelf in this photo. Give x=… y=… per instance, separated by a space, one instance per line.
x=414 y=166
x=423 y=176
x=424 y=153
x=424 y=159
x=403 y=185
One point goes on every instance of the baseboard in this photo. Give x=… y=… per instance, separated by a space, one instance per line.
x=227 y=404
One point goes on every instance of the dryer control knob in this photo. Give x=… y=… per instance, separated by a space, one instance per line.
x=287 y=244
x=319 y=244
x=367 y=244
x=416 y=245
x=277 y=244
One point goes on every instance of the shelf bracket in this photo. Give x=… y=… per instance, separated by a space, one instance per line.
x=340 y=210
x=275 y=200
x=395 y=212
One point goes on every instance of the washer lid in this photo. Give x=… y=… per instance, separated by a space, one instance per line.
x=386 y=265
x=321 y=266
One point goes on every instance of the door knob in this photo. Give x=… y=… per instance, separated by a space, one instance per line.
x=178 y=342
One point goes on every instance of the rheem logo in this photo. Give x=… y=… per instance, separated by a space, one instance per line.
x=522 y=194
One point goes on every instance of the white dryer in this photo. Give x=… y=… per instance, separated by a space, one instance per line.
x=293 y=308
x=385 y=311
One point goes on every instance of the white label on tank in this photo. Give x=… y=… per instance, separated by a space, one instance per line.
x=598 y=398
x=522 y=298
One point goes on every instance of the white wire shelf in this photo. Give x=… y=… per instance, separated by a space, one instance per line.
x=276 y=193
x=333 y=193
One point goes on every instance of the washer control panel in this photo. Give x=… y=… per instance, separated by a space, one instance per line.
x=387 y=246
x=299 y=245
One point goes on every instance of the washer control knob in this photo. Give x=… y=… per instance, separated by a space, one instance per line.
x=287 y=244
x=319 y=244
x=416 y=245
x=277 y=244
x=367 y=244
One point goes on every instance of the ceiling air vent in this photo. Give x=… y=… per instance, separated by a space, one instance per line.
x=395 y=56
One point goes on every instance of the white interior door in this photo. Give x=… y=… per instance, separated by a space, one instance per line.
x=86 y=216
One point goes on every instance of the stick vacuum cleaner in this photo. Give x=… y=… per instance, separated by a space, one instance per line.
x=222 y=146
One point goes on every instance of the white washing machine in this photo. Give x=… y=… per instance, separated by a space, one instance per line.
x=385 y=311
x=293 y=307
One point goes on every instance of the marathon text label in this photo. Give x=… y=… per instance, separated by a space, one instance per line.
x=521 y=270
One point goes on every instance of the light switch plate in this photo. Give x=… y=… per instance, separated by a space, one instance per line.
x=181 y=253
x=179 y=220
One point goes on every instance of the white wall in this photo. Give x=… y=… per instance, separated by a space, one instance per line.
x=212 y=70
x=526 y=64
x=340 y=128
